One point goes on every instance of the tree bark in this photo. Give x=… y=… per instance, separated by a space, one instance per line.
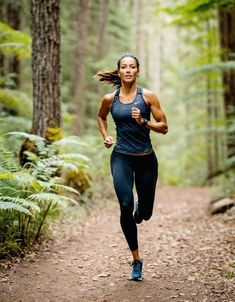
x=80 y=72
x=100 y=46
x=14 y=20
x=103 y=16
x=211 y=146
x=227 y=42
x=46 y=65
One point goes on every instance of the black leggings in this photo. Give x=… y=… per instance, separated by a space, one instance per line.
x=143 y=170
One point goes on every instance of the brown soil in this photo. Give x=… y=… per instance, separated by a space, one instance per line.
x=188 y=256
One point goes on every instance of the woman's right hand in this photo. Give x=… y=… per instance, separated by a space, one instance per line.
x=108 y=142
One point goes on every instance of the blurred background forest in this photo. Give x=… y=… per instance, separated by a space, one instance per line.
x=187 y=57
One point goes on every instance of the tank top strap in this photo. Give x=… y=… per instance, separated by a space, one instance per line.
x=117 y=92
x=139 y=90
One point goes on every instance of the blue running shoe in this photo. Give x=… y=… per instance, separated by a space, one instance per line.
x=138 y=219
x=136 y=274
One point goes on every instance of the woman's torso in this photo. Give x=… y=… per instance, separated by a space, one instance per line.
x=132 y=138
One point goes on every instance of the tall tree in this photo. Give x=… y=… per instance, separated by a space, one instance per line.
x=227 y=40
x=100 y=43
x=80 y=72
x=103 y=15
x=46 y=65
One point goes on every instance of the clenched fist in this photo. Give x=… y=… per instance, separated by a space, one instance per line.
x=108 y=142
x=136 y=114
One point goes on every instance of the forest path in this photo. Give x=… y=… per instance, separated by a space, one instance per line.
x=188 y=256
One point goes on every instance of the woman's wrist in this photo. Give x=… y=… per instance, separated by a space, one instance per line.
x=144 y=121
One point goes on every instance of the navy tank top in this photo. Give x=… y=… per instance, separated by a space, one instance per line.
x=132 y=138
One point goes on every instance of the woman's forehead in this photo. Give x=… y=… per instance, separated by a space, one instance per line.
x=128 y=60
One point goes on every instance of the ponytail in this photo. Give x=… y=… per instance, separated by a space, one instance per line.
x=110 y=77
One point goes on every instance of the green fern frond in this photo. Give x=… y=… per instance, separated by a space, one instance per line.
x=55 y=162
x=74 y=156
x=48 y=197
x=7 y=159
x=37 y=140
x=62 y=188
x=71 y=140
x=32 y=157
x=20 y=201
x=45 y=185
x=13 y=206
x=25 y=179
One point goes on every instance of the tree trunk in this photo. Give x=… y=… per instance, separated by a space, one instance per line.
x=46 y=65
x=227 y=41
x=211 y=147
x=103 y=16
x=80 y=72
x=14 y=20
x=100 y=45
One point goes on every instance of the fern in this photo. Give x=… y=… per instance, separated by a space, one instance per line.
x=51 y=197
x=25 y=179
x=71 y=140
x=7 y=161
x=37 y=140
x=13 y=206
x=62 y=188
x=74 y=156
x=21 y=201
x=35 y=189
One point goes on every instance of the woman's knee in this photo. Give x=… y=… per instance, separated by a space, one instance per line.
x=126 y=209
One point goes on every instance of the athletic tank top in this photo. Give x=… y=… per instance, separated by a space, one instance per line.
x=132 y=138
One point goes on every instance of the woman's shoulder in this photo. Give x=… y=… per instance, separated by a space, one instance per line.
x=107 y=99
x=149 y=95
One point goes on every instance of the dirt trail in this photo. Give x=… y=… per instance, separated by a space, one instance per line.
x=188 y=256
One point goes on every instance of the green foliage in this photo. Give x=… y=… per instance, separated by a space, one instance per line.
x=189 y=12
x=12 y=102
x=16 y=103
x=14 y=42
x=32 y=194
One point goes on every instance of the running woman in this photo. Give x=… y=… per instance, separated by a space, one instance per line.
x=133 y=160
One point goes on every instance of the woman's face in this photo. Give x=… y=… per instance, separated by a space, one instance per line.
x=128 y=70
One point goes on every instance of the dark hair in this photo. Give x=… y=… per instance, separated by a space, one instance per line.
x=128 y=56
x=111 y=77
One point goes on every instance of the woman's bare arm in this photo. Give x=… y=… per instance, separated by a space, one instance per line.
x=102 y=114
x=161 y=123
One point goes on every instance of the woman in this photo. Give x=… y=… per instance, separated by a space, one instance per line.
x=133 y=159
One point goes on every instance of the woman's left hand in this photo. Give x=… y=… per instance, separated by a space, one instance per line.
x=136 y=114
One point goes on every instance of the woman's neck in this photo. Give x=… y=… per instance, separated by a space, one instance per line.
x=127 y=89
